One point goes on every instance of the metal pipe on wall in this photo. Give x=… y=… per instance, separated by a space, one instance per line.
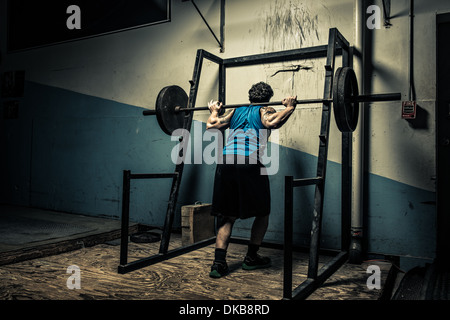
x=355 y=253
x=411 y=92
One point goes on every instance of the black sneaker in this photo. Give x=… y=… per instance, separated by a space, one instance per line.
x=219 y=269
x=256 y=263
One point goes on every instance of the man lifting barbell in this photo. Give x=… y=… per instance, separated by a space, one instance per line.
x=240 y=190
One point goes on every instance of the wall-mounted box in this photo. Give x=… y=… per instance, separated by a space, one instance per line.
x=409 y=109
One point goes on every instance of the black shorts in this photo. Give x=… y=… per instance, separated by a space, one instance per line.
x=241 y=191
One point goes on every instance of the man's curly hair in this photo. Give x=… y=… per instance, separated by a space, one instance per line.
x=260 y=92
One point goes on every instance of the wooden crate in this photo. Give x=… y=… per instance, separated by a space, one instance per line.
x=196 y=223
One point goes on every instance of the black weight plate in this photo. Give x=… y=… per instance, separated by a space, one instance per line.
x=338 y=96
x=169 y=98
x=346 y=110
x=351 y=105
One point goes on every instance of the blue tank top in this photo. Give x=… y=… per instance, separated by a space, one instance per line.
x=246 y=137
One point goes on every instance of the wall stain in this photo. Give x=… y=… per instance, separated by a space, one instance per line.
x=289 y=25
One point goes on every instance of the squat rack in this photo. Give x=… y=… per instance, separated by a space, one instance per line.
x=315 y=276
x=337 y=45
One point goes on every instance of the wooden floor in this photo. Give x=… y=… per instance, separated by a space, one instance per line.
x=185 y=277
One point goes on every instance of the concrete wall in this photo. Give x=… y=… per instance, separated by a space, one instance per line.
x=80 y=122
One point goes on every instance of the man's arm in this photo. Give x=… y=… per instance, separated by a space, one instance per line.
x=215 y=121
x=272 y=119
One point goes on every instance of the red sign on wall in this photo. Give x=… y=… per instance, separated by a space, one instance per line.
x=409 y=109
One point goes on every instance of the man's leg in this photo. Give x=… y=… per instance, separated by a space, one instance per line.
x=253 y=260
x=224 y=233
x=220 y=267
x=259 y=229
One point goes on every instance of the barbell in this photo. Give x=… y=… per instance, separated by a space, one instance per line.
x=172 y=100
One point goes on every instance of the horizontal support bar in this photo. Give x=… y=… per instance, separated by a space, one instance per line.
x=153 y=175
x=309 y=285
x=280 y=246
x=331 y=266
x=378 y=97
x=304 y=289
x=149 y=112
x=287 y=55
x=122 y=269
x=307 y=181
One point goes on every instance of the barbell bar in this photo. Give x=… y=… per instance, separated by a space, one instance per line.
x=171 y=99
x=359 y=98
